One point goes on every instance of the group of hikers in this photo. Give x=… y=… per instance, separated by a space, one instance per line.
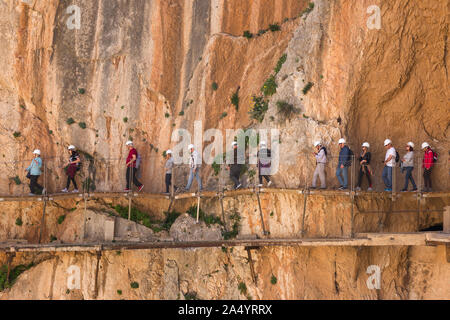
x=235 y=168
x=390 y=161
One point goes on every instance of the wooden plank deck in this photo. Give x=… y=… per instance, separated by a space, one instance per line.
x=360 y=240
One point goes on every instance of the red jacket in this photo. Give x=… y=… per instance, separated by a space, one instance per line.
x=428 y=159
x=130 y=157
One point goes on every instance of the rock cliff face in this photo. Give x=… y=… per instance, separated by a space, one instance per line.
x=282 y=273
x=142 y=69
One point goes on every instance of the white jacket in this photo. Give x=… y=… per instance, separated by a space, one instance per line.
x=194 y=161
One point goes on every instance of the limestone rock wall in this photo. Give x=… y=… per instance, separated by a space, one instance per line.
x=144 y=68
x=299 y=273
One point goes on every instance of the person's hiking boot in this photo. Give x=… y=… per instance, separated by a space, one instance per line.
x=64 y=190
x=269 y=184
x=341 y=188
x=141 y=188
x=413 y=190
x=370 y=189
x=75 y=191
x=239 y=186
x=260 y=185
x=31 y=194
x=323 y=188
x=358 y=189
x=388 y=190
x=126 y=190
x=43 y=190
x=404 y=190
x=312 y=188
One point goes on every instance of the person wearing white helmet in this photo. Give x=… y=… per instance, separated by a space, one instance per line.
x=168 y=167
x=389 y=164
x=264 y=156
x=345 y=161
x=321 y=160
x=195 y=167
x=72 y=167
x=429 y=158
x=131 y=164
x=236 y=166
x=365 y=168
x=408 y=166
x=34 y=172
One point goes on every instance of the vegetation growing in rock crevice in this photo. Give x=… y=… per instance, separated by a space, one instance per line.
x=285 y=109
x=248 y=34
x=235 y=100
x=206 y=218
x=259 y=109
x=235 y=218
x=7 y=282
x=270 y=86
x=144 y=219
x=308 y=87
x=274 y=27
x=308 y=9
x=280 y=63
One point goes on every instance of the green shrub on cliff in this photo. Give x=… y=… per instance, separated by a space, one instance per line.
x=8 y=282
x=259 y=109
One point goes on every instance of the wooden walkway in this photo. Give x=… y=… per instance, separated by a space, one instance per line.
x=214 y=194
x=360 y=240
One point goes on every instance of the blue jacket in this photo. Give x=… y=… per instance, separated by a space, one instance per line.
x=345 y=157
x=35 y=167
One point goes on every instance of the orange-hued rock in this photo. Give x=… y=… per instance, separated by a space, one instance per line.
x=299 y=273
x=142 y=69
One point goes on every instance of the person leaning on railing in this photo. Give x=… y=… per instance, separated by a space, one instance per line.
x=34 y=172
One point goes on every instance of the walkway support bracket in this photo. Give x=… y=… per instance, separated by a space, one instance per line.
x=10 y=258
x=252 y=267
x=99 y=256
x=45 y=199
x=305 y=198
x=265 y=233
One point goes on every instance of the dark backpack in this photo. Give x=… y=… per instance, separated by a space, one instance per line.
x=324 y=150
x=435 y=156
x=138 y=160
x=397 y=157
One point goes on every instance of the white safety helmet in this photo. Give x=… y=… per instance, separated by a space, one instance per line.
x=37 y=151
x=366 y=144
x=387 y=142
x=169 y=152
x=129 y=143
x=263 y=144
x=317 y=143
x=191 y=146
x=342 y=141
x=234 y=143
x=411 y=144
x=425 y=145
x=71 y=147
